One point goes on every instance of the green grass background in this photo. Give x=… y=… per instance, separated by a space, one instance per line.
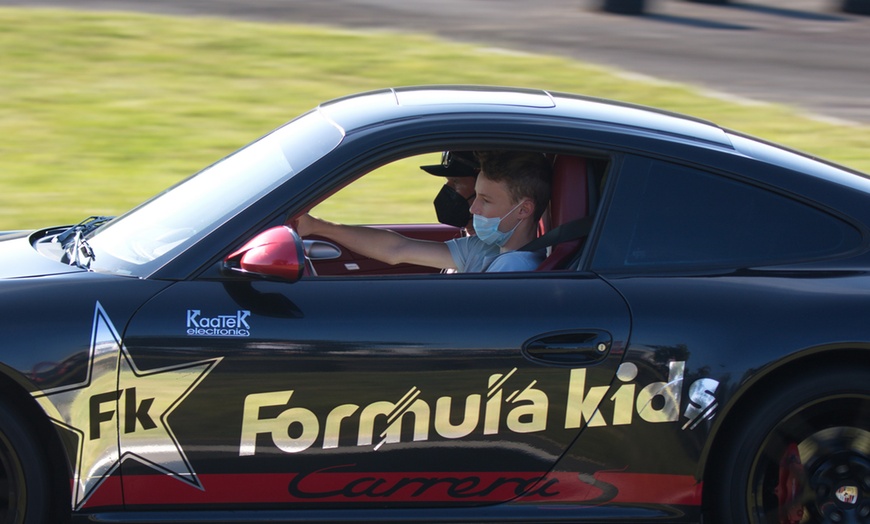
x=99 y=111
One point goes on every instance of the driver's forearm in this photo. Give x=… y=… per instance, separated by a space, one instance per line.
x=379 y=244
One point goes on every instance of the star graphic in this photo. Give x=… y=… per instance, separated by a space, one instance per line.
x=120 y=412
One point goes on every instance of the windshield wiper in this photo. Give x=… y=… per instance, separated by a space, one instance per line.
x=73 y=241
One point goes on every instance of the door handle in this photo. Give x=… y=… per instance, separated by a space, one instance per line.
x=569 y=348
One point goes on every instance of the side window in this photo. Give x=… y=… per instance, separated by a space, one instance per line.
x=665 y=215
x=396 y=193
x=397 y=196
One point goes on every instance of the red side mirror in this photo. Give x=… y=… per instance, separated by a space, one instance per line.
x=276 y=252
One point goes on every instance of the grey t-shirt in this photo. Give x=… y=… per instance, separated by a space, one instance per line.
x=472 y=255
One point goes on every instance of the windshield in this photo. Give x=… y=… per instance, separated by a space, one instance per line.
x=150 y=235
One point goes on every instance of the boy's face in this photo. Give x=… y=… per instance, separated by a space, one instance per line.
x=493 y=200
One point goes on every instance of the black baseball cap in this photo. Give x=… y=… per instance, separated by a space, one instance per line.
x=455 y=163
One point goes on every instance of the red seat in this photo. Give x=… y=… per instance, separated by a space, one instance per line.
x=569 y=201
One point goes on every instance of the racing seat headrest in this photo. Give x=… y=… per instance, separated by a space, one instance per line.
x=569 y=201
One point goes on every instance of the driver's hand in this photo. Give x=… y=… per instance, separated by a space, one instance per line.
x=305 y=224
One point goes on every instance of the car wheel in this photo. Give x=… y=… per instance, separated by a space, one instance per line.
x=24 y=488
x=802 y=454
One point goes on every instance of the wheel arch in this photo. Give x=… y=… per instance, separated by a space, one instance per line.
x=730 y=418
x=47 y=437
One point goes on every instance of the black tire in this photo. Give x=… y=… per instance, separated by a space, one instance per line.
x=861 y=7
x=24 y=486
x=801 y=455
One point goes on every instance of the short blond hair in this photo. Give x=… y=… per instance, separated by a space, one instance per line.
x=526 y=174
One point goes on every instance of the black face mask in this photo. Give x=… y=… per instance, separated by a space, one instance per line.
x=451 y=208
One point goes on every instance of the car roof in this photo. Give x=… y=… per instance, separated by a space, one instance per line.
x=377 y=107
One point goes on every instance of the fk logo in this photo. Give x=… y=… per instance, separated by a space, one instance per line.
x=120 y=412
x=103 y=406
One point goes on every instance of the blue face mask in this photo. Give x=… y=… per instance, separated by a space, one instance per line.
x=487 y=231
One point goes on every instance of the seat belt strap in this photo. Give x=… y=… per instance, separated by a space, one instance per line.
x=568 y=231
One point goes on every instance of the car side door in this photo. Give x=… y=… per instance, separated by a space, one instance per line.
x=361 y=392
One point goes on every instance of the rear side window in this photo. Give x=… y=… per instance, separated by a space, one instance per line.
x=664 y=215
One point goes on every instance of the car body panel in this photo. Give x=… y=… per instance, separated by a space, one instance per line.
x=334 y=387
x=24 y=261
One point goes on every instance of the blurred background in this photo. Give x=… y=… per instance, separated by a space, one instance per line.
x=104 y=103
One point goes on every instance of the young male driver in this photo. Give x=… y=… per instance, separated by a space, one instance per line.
x=513 y=189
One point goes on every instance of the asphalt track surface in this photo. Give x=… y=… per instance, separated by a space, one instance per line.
x=802 y=53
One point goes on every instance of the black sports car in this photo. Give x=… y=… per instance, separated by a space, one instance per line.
x=696 y=347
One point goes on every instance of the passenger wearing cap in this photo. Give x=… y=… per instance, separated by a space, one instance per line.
x=459 y=168
x=512 y=191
